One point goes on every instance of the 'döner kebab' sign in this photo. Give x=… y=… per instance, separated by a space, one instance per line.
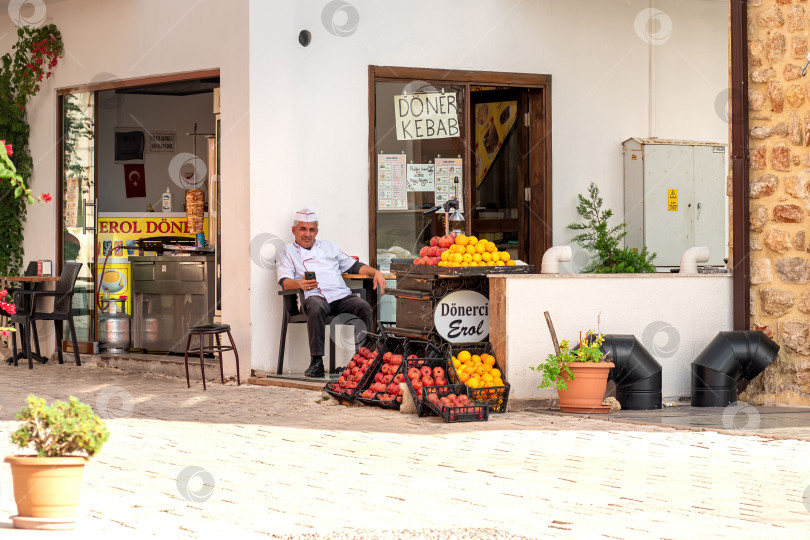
x=426 y=116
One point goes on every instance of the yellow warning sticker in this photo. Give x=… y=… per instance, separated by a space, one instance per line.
x=672 y=200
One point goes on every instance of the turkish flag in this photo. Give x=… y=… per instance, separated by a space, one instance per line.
x=135 y=180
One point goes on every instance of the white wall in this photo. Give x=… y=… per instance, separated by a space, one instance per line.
x=317 y=97
x=149 y=113
x=129 y=39
x=673 y=316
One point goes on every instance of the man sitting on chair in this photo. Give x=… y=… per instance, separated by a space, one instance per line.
x=326 y=294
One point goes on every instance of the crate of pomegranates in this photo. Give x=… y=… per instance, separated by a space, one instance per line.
x=360 y=369
x=383 y=388
x=452 y=403
x=422 y=372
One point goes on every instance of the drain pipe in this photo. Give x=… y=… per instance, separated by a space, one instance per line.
x=727 y=358
x=553 y=257
x=691 y=257
x=636 y=373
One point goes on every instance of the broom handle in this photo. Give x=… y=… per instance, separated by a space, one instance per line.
x=553 y=333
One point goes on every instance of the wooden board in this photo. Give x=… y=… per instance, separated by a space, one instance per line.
x=403 y=267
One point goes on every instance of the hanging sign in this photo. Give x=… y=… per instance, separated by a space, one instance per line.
x=426 y=116
x=391 y=194
x=162 y=141
x=420 y=177
x=462 y=317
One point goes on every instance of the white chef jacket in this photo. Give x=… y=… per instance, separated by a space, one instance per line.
x=325 y=259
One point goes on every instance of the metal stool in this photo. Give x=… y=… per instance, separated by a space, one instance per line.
x=207 y=329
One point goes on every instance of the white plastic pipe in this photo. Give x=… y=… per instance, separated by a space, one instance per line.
x=691 y=257
x=553 y=257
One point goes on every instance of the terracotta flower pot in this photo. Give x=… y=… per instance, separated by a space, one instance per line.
x=587 y=390
x=46 y=490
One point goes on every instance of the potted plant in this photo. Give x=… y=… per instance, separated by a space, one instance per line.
x=47 y=485
x=579 y=374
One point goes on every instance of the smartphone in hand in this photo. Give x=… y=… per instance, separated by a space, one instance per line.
x=309 y=275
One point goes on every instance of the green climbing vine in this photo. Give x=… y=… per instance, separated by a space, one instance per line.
x=22 y=71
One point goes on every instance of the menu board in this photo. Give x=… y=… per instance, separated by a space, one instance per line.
x=447 y=169
x=420 y=177
x=391 y=187
x=72 y=203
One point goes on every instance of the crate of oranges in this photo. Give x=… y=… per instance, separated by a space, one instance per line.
x=469 y=251
x=474 y=365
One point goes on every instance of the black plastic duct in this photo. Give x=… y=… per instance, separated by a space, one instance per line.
x=729 y=357
x=636 y=373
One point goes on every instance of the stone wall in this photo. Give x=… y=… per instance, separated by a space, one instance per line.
x=779 y=117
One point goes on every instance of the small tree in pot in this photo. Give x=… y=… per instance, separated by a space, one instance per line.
x=579 y=375
x=47 y=486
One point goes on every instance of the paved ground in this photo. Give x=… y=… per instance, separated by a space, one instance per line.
x=266 y=462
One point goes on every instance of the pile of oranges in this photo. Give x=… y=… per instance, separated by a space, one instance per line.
x=470 y=251
x=477 y=371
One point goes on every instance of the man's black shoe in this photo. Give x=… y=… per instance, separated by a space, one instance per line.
x=315 y=368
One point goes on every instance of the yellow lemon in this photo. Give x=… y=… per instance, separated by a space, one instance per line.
x=477 y=257
x=492 y=263
x=472 y=240
x=496 y=373
x=481 y=246
x=505 y=256
x=472 y=383
x=461 y=240
x=465 y=263
x=487 y=377
x=469 y=249
x=496 y=256
x=464 y=377
x=486 y=257
x=475 y=358
x=510 y=262
x=489 y=360
x=456 y=362
x=455 y=264
x=500 y=263
x=464 y=355
x=457 y=257
x=491 y=247
x=497 y=382
x=480 y=370
x=444 y=256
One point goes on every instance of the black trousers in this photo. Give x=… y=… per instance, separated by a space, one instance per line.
x=318 y=309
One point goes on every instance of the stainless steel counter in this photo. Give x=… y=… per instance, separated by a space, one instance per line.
x=170 y=294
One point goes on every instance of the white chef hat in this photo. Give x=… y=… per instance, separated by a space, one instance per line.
x=306 y=215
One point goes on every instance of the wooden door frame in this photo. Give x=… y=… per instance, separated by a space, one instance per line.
x=539 y=130
x=60 y=171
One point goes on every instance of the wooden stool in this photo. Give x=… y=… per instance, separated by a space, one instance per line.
x=202 y=331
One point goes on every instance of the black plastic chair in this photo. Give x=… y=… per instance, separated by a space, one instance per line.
x=62 y=302
x=291 y=315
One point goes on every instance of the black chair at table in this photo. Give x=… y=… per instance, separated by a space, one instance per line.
x=291 y=315
x=62 y=304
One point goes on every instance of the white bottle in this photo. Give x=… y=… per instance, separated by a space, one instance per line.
x=167 y=201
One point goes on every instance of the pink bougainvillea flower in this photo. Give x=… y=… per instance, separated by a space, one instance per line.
x=9 y=151
x=46 y=197
x=3 y=293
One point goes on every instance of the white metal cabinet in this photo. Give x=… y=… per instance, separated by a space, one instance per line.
x=674 y=197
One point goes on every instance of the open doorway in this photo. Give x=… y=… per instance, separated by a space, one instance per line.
x=131 y=151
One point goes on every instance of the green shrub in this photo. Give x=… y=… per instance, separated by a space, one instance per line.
x=602 y=241
x=61 y=429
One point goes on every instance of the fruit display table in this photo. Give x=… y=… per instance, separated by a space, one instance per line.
x=421 y=287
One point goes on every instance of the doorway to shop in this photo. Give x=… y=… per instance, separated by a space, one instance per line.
x=501 y=150
x=130 y=153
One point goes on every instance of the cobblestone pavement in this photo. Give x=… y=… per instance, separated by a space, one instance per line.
x=265 y=462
